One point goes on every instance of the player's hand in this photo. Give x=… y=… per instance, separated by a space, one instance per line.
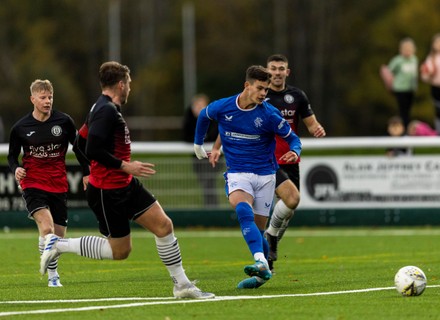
x=85 y=182
x=289 y=157
x=214 y=156
x=200 y=152
x=319 y=132
x=20 y=174
x=138 y=169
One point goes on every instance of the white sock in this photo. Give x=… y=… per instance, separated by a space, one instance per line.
x=260 y=256
x=52 y=268
x=89 y=246
x=279 y=214
x=169 y=252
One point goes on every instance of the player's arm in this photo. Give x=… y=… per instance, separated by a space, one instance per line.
x=216 y=152
x=201 y=129
x=97 y=140
x=314 y=127
x=283 y=129
x=14 y=152
x=79 y=148
x=295 y=147
x=79 y=144
x=98 y=135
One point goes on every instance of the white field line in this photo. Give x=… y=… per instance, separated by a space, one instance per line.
x=166 y=301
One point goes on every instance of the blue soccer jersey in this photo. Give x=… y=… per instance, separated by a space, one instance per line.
x=247 y=135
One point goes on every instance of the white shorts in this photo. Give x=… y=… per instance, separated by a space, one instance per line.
x=261 y=188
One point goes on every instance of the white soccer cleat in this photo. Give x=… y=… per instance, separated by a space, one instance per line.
x=54 y=282
x=190 y=291
x=50 y=252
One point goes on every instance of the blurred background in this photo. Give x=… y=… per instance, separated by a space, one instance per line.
x=176 y=48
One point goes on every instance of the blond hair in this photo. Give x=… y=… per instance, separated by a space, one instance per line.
x=41 y=85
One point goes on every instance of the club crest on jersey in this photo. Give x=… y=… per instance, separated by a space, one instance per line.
x=56 y=131
x=258 y=122
x=288 y=98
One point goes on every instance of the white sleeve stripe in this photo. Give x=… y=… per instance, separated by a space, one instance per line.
x=290 y=130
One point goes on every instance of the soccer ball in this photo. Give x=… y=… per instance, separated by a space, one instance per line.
x=410 y=281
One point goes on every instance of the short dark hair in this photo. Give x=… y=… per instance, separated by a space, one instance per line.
x=277 y=57
x=111 y=72
x=259 y=73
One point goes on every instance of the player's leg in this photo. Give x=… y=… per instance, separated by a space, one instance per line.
x=153 y=218
x=45 y=224
x=156 y=220
x=283 y=211
x=290 y=197
x=259 y=213
x=116 y=245
x=39 y=204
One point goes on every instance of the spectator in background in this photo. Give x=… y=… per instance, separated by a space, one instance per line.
x=420 y=129
x=404 y=68
x=206 y=174
x=396 y=128
x=429 y=72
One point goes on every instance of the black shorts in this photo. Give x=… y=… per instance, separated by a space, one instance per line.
x=115 y=208
x=37 y=199
x=288 y=171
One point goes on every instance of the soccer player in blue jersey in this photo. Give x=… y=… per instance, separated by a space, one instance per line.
x=247 y=128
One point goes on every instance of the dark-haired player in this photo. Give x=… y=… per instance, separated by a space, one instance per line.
x=114 y=193
x=293 y=104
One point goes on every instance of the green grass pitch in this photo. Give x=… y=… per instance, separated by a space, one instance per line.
x=321 y=274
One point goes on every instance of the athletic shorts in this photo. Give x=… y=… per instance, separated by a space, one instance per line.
x=37 y=199
x=261 y=188
x=115 y=208
x=288 y=171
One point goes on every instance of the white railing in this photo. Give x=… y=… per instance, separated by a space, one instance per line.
x=328 y=143
x=177 y=186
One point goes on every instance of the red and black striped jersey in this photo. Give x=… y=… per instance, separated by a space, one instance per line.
x=105 y=140
x=44 y=146
x=293 y=103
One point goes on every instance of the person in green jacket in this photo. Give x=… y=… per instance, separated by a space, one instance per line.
x=404 y=68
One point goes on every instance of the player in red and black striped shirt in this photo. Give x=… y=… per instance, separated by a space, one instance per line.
x=44 y=135
x=293 y=105
x=114 y=193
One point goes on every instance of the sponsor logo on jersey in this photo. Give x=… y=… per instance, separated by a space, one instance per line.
x=238 y=135
x=281 y=124
x=288 y=98
x=127 y=135
x=56 y=131
x=287 y=113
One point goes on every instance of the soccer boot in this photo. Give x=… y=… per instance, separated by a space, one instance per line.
x=273 y=246
x=50 y=252
x=273 y=250
x=55 y=282
x=260 y=269
x=251 y=283
x=190 y=291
